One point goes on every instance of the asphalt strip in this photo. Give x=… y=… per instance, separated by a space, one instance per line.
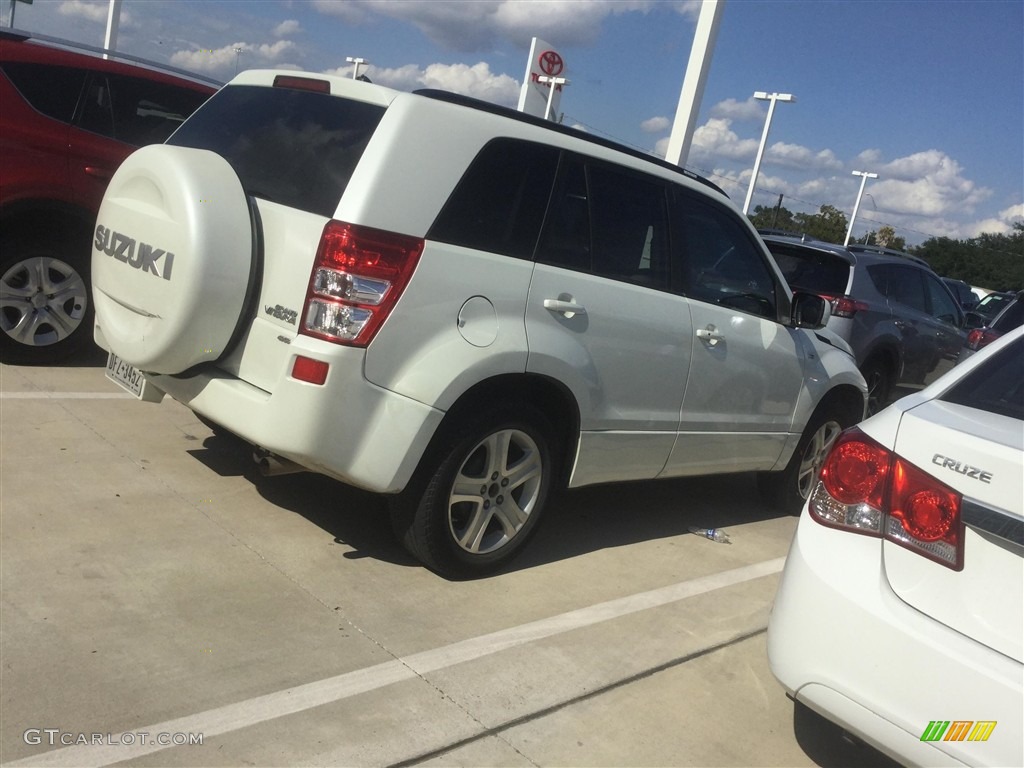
x=66 y=396
x=115 y=748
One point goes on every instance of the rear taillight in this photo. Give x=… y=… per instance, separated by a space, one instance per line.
x=981 y=337
x=844 y=306
x=357 y=277
x=866 y=488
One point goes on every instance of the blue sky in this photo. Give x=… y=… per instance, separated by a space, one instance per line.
x=929 y=94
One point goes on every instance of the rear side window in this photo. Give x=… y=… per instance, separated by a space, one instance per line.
x=996 y=386
x=629 y=226
x=54 y=91
x=900 y=284
x=608 y=221
x=499 y=204
x=292 y=147
x=135 y=110
x=813 y=271
x=943 y=306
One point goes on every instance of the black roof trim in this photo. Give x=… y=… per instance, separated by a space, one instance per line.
x=21 y=35
x=512 y=114
x=809 y=244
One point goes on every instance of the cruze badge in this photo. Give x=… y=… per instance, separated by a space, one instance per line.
x=964 y=469
x=138 y=255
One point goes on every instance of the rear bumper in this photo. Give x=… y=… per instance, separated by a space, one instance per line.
x=347 y=428
x=841 y=642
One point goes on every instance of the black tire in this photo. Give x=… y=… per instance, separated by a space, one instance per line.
x=45 y=302
x=480 y=493
x=879 y=378
x=789 y=489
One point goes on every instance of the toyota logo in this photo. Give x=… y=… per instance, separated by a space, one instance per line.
x=551 y=63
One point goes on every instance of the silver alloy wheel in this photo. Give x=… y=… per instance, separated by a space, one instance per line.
x=42 y=301
x=494 y=491
x=815 y=454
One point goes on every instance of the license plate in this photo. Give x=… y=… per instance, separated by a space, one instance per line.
x=125 y=375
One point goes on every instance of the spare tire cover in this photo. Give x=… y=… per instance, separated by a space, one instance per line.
x=171 y=259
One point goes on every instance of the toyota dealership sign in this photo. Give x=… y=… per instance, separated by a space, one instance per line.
x=534 y=96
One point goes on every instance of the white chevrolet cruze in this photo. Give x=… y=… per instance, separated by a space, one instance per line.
x=900 y=613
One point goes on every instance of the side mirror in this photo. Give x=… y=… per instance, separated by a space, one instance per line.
x=973 y=320
x=810 y=311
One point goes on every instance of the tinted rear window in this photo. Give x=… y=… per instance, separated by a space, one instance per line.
x=499 y=204
x=54 y=91
x=812 y=271
x=135 y=110
x=291 y=147
x=996 y=386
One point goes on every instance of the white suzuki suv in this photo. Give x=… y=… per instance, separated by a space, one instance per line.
x=458 y=305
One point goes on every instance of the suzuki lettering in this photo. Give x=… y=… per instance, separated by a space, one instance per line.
x=123 y=248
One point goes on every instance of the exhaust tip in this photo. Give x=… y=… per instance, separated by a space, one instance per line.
x=271 y=465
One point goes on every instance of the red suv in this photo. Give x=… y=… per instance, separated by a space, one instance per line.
x=68 y=118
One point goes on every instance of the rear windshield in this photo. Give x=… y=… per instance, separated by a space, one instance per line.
x=291 y=147
x=812 y=271
x=996 y=386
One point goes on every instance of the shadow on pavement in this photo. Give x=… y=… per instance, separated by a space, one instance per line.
x=828 y=745
x=576 y=522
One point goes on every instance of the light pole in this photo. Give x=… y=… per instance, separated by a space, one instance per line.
x=355 y=62
x=771 y=98
x=553 y=83
x=864 y=176
x=238 y=52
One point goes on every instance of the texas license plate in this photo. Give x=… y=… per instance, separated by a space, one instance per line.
x=125 y=375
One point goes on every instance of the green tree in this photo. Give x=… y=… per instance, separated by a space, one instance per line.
x=885 y=237
x=828 y=224
x=773 y=217
x=991 y=260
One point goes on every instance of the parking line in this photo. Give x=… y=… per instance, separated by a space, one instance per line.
x=65 y=396
x=260 y=709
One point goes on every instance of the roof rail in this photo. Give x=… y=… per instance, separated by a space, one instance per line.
x=22 y=35
x=496 y=109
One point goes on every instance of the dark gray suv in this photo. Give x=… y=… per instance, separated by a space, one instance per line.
x=904 y=325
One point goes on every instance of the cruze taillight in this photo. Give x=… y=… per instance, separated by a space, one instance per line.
x=357 y=277
x=981 y=337
x=866 y=488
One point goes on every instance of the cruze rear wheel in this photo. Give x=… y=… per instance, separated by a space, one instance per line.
x=45 y=308
x=486 y=490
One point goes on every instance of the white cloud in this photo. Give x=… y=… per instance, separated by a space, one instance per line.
x=732 y=109
x=1001 y=224
x=477 y=80
x=928 y=183
x=244 y=55
x=93 y=10
x=868 y=158
x=474 y=26
x=1013 y=213
x=796 y=156
x=655 y=124
x=992 y=226
x=717 y=139
x=287 y=27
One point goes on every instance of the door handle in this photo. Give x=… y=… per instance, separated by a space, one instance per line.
x=709 y=335
x=568 y=308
